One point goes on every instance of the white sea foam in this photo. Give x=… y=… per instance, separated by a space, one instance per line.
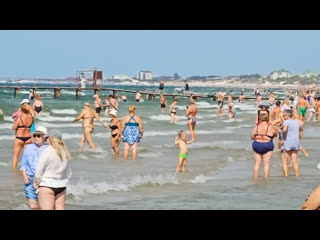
x=159 y=133
x=202 y=179
x=60 y=126
x=83 y=187
x=55 y=119
x=7 y=137
x=64 y=111
x=150 y=154
x=247 y=107
x=4 y=164
x=8 y=118
x=165 y=117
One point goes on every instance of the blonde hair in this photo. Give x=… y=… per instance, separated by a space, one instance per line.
x=37 y=97
x=264 y=117
x=286 y=101
x=180 y=133
x=132 y=109
x=60 y=148
x=25 y=108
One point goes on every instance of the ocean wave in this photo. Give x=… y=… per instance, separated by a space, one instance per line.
x=84 y=188
x=165 y=117
x=55 y=119
x=5 y=164
x=7 y=137
x=64 y=111
x=202 y=179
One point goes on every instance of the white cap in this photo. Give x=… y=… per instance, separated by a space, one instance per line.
x=113 y=112
x=41 y=130
x=24 y=101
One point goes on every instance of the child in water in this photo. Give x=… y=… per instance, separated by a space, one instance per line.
x=181 y=141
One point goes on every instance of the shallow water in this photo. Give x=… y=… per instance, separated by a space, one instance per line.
x=220 y=162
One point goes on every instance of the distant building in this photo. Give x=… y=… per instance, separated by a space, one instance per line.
x=281 y=73
x=120 y=77
x=309 y=74
x=144 y=75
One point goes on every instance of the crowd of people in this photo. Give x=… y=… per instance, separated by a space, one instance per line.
x=46 y=169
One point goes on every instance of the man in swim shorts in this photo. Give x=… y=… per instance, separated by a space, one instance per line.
x=302 y=107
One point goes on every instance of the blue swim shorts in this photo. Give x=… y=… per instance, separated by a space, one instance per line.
x=29 y=190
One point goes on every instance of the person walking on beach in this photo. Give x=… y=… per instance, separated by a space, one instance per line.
x=173 y=111
x=191 y=113
x=220 y=98
x=191 y=99
x=53 y=173
x=161 y=86
x=186 y=86
x=163 y=102
x=113 y=103
x=229 y=99
x=38 y=105
x=132 y=132
x=259 y=98
x=302 y=107
x=115 y=127
x=291 y=130
x=31 y=95
x=97 y=103
x=312 y=109
x=271 y=100
x=138 y=96
x=22 y=126
x=262 y=134
x=181 y=141
x=231 y=110
x=29 y=162
x=241 y=98
x=106 y=106
x=88 y=115
x=83 y=80
x=313 y=200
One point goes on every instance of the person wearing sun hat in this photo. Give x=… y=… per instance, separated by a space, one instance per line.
x=29 y=162
x=115 y=127
x=264 y=108
x=53 y=173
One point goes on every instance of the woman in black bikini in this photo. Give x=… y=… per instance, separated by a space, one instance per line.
x=23 y=133
x=173 y=111
x=115 y=126
x=38 y=106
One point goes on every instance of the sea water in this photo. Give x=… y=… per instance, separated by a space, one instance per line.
x=220 y=161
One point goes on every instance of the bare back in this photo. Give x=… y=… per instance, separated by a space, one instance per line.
x=192 y=111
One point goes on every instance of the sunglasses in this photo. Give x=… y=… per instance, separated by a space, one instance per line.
x=37 y=135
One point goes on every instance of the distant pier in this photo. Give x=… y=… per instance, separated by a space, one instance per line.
x=96 y=90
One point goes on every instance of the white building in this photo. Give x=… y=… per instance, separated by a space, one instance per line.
x=144 y=75
x=120 y=77
x=282 y=73
x=309 y=74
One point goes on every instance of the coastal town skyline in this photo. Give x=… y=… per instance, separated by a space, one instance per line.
x=59 y=54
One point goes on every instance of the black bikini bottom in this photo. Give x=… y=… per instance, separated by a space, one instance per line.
x=24 y=139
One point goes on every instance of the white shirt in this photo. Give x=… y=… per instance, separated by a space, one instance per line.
x=51 y=171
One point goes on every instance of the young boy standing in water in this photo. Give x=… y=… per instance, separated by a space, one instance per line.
x=181 y=141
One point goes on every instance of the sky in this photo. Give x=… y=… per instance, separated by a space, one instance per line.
x=60 y=53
